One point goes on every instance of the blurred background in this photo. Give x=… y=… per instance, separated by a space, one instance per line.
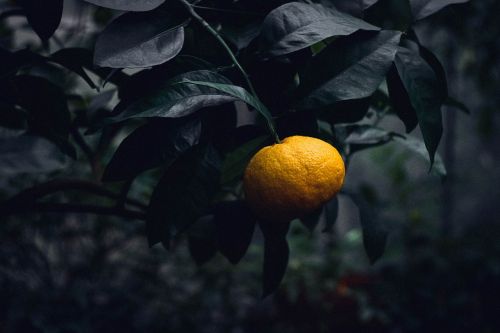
x=440 y=272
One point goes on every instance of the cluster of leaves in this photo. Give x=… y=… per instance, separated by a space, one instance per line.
x=330 y=69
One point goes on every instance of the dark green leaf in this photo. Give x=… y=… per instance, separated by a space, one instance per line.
x=236 y=161
x=239 y=93
x=450 y=101
x=418 y=147
x=347 y=69
x=48 y=113
x=276 y=253
x=158 y=143
x=353 y=7
x=375 y=231
x=400 y=100
x=21 y=153
x=235 y=227
x=331 y=214
x=174 y=99
x=297 y=25
x=43 y=16
x=312 y=220
x=423 y=8
x=426 y=96
x=74 y=60
x=128 y=5
x=366 y=136
x=136 y=40
x=201 y=240
x=183 y=194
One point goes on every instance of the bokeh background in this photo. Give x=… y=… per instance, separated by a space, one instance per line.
x=440 y=272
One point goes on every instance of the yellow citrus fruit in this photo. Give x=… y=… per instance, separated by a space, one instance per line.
x=293 y=178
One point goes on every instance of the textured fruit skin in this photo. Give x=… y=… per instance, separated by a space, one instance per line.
x=293 y=178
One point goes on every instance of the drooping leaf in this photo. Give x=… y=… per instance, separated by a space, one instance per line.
x=353 y=7
x=347 y=69
x=128 y=5
x=71 y=58
x=157 y=143
x=22 y=153
x=331 y=213
x=423 y=8
x=452 y=102
x=235 y=227
x=183 y=194
x=174 y=99
x=312 y=220
x=43 y=16
x=366 y=136
x=375 y=231
x=276 y=254
x=237 y=160
x=202 y=240
x=400 y=100
x=239 y=93
x=294 y=26
x=418 y=147
x=137 y=40
x=426 y=95
x=46 y=106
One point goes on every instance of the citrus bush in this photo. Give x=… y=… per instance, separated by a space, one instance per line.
x=180 y=97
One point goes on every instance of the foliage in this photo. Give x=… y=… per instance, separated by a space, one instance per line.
x=316 y=69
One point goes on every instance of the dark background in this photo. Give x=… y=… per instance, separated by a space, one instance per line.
x=441 y=270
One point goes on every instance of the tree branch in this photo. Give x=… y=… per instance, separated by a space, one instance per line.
x=32 y=194
x=42 y=207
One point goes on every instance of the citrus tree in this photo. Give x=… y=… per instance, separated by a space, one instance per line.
x=189 y=91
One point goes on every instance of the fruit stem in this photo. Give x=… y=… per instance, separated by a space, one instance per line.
x=235 y=61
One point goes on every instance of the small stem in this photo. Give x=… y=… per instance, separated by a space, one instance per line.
x=235 y=61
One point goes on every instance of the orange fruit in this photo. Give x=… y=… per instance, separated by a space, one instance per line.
x=293 y=178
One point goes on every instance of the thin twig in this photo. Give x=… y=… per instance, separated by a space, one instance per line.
x=235 y=61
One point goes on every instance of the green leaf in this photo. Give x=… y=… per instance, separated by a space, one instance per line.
x=452 y=102
x=128 y=5
x=375 y=231
x=183 y=194
x=418 y=147
x=43 y=16
x=331 y=213
x=174 y=99
x=236 y=161
x=235 y=226
x=426 y=95
x=202 y=240
x=239 y=93
x=423 y=8
x=295 y=26
x=347 y=69
x=362 y=137
x=276 y=254
x=74 y=59
x=400 y=101
x=137 y=40
x=157 y=143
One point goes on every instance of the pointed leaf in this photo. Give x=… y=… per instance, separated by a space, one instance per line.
x=128 y=5
x=349 y=68
x=331 y=214
x=295 y=26
x=426 y=95
x=183 y=194
x=159 y=142
x=235 y=227
x=71 y=58
x=136 y=40
x=423 y=8
x=400 y=100
x=175 y=100
x=236 y=161
x=312 y=220
x=201 y=240
x=276 y=254
x=43 y=16
x=418 y=147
